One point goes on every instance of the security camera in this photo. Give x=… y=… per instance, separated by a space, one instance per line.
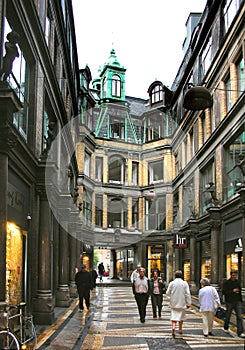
x=28 y=217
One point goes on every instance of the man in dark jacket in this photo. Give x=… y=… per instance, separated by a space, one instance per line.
x=83 y=280
x=233 y=298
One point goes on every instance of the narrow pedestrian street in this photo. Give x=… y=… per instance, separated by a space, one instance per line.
x=112 y=323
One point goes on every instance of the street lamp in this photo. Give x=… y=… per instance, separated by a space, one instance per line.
x=197 y=98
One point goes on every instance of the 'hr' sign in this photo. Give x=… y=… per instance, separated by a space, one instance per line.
x=180 y=242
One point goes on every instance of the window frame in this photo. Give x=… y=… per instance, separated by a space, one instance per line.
x=116 y=85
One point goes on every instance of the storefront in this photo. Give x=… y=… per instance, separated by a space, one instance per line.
x=156 y=260
x=124 y=263
x=16 y=239
x=206 y=258
x=16 y=263
x=233 y=247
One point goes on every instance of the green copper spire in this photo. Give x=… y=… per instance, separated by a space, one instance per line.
x=113 y=79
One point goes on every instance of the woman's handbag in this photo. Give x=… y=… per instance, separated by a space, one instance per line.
x=220 y=313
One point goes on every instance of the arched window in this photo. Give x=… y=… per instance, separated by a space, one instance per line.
x=116 y=86
x=157 y=94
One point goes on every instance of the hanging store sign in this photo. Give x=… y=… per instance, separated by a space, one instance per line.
x=180 y=241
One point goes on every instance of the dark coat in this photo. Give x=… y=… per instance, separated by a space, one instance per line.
x=83 y=280
x=227 y=290
x=161 y=286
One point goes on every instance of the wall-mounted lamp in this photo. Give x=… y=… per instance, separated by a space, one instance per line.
x=197 y=98
x=150 y=195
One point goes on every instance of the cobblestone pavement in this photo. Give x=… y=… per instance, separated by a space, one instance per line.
x=112 y=323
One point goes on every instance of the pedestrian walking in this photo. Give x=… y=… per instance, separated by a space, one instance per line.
x=135 y=273
x=101 y=270
x=209 y=302
x=141 y=292
x=157 y=288
x=180 y=299
x=233 y=299
x=83 y=280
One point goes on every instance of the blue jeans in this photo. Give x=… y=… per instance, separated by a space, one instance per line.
x=237 y=307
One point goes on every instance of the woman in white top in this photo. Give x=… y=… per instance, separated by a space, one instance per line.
x=180 y=299
x=209 y=301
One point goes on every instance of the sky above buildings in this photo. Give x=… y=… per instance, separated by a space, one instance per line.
x=146 y=35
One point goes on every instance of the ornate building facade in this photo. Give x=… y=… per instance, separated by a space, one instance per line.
x=162 y=180
x=38 y=97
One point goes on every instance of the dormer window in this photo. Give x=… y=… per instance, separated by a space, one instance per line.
x=156 y=94
x=116 y=86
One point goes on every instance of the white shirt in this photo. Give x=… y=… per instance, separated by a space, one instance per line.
x=141 y=285
x=207 y=296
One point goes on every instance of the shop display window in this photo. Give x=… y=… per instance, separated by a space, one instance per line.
x=206 y=268
x=15 y=244
x=187 y=271
x=156 y=260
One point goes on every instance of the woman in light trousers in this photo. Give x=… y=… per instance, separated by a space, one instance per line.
x=209 y=302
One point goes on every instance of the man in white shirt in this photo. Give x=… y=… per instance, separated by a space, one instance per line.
x=135 y=273
x=141 y=288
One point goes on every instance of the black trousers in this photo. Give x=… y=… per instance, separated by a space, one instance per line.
x=142 y=300
x=156 y=302
x=84 y=294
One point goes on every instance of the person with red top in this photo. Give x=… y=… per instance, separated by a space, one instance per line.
x=157 y=288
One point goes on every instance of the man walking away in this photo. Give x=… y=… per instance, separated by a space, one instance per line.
x=233 y=299
x=83 y=280
x=101 y=270
x=180 y=300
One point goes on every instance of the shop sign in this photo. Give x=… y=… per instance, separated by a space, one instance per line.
x=238 y=247
x=180 y=241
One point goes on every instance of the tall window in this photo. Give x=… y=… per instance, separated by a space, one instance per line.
x=228 y=93
x=156 y=172
x=207 y=186
x=156 y=214
x=116 y=86
x=98 y=210
x=19 y=81
x=204 y=128
x=188 y=201
x=99 y=169
x=235 y=155
x=87 y=208
x=135 y=167
x=87 y=162
x=240 y=76
x=192 y=143
x=117 y=212
x=135 y=213
x=45 y=129
x=104 y=87
x=230 y=9
x=48 y=22
x=116 y=170
x=157 y=94
x=206 y=57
